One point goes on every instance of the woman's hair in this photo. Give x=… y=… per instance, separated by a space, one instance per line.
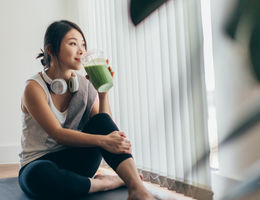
x=53 y=37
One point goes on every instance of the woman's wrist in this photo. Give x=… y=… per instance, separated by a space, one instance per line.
x=103 y=95
x=101 y=140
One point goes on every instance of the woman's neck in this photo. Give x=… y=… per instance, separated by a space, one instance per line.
x=57 y=72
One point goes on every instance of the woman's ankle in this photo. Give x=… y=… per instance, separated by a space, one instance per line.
x=105 y=182
x=136 y=186
x=140 y=194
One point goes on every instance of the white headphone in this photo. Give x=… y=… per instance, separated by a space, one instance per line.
x=59 y=86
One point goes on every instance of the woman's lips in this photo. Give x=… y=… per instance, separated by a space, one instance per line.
x=77 y=59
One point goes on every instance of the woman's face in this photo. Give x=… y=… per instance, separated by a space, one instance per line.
x=71 y=48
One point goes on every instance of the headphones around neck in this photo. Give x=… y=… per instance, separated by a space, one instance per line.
x=59 y=86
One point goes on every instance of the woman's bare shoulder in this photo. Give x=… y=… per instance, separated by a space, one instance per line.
x=32 y=92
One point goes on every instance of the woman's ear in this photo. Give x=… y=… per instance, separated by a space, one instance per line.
x=49 y=50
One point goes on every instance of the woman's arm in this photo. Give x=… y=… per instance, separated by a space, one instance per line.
x=101 y=105
x=104 y=106
x=35 y=102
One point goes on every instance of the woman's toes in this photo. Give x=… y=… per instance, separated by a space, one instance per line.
x=141 y=177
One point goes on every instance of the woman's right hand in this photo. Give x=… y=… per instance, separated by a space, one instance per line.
x=117 y=143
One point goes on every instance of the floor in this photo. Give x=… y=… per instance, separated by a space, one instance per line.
x=11 y=170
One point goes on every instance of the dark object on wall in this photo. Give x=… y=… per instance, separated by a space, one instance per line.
x=246 y=19
x=140 y=9
x=254 y=48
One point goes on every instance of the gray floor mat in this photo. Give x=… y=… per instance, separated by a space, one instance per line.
x=10 y=190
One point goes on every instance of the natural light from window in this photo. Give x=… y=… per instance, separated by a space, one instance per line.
x=210 y=83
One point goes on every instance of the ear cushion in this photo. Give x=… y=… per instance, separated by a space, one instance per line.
x=59 y=86
x=73 y=84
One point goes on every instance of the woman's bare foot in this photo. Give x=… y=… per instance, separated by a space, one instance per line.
x=110 y=181
x=140 y=194
x=141 y=177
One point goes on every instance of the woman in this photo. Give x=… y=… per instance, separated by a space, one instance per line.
x=59 y=162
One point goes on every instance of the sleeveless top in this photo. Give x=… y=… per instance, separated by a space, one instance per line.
x=35 y=141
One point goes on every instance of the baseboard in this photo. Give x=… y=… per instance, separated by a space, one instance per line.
x=9 y=153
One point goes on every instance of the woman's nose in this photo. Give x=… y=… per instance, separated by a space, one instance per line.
x=80 y=50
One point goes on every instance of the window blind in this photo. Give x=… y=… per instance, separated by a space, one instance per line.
x=158 y=98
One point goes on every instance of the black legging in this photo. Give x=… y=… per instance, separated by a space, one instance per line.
x=65 y=174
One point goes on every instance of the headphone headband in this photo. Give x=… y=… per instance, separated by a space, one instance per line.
x=46 y=77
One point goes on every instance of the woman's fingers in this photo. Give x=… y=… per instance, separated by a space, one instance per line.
x=111 y=71
x=121 y=144
x=125 y=146
x=128 y=150
x=122 y=134
x=110 y=68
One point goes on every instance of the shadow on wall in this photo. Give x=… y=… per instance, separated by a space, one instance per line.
x=246 y=18
x=244 y=25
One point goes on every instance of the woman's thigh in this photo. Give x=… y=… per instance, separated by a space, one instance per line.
x=43 y=178
x=84 y=161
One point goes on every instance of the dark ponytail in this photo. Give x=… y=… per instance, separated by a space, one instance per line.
x=40 y=55
x=53 y=37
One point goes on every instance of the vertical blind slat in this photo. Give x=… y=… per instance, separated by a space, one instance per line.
x=150 y=96
x=174 y=85
x=188 y=38
x=182 y=167
x=121 y=70
x=158 y=93
x=115 y=64
x=136 y=96
x=108 y=36
x=93 y=28
x=128 y=74
x=167 y=96
x=103 y=23
x=142 y=77
x=98 y=26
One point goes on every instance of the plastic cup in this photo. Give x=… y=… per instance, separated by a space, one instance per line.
x=94 y=63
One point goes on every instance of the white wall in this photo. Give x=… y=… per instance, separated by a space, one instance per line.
x=237 y=95
x=23 y=24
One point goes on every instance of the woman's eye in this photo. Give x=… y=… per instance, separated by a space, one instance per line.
x=73 y=43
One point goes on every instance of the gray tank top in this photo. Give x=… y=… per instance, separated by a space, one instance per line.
x=35 y=142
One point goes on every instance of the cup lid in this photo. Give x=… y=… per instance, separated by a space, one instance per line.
x=92 y=55
x=97 y=52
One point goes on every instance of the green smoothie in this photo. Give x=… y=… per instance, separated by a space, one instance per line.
x=100 y=77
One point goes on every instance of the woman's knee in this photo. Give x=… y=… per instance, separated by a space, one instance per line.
x=101 y=124
x=40 y=167
x=37 y=172
x=102 y=117
x=32 y=175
